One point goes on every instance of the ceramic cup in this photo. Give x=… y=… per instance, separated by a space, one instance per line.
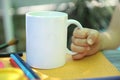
x=46 y=38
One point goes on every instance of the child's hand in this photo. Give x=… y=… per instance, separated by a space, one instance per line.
x=85 y=42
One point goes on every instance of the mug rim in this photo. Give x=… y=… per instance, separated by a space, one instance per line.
x=46 y=14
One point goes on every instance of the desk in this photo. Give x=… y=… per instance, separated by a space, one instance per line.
x=90 y=67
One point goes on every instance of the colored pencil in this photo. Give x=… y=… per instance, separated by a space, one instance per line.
x=13 y=63
x=25 y=67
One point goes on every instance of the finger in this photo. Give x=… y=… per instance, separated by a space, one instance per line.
x=76 y=48
x=92 y=37
x=79 y=56
x=80 y=42
x=80 y=33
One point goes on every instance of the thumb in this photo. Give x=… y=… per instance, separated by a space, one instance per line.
x=92 y=37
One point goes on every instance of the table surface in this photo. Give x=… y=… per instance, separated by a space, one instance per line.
x=93 y=66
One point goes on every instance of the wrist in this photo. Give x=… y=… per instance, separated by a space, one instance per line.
x=104 y=40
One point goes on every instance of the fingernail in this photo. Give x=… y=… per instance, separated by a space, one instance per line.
x=90 y=41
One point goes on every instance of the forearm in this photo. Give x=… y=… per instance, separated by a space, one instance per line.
x=111 y=38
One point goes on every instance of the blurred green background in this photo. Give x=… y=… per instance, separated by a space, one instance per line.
x=95 y=14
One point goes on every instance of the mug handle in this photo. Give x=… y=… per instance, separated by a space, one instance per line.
x=69 y=22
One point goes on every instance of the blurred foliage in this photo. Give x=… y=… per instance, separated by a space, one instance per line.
x=19 y=23
x=96 y=16
x=1 y=31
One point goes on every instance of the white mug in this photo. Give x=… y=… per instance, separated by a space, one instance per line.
x=46 y=38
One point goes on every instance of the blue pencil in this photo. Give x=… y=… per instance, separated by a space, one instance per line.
x=25 y=67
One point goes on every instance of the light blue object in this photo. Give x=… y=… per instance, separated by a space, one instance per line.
x=25 y=70
x=118 y=48
x=114 y=57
